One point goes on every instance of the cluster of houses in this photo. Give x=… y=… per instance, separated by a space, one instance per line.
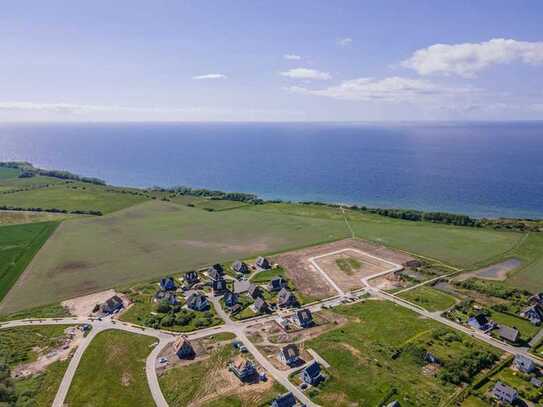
x=534 y=312
x=482 y=323
x=507 y=394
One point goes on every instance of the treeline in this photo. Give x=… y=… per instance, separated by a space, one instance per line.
x=51 y=210
x=212 y=194
x=28 y=170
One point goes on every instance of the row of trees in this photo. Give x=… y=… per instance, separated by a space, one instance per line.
x=212 y=194
x=28 y=170
x=51 y=210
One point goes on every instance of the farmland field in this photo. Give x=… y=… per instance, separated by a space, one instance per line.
x=8 y=173
x=18 y=245
x=530 y=274
x=459 y=246
x=383 y=346
x=71 y=196
x=429 y=298
x=155 y=239
x=113 y=368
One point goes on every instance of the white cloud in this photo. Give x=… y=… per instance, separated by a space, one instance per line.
x=306 y=73
x=292 y=57
x=393 y=89
x=210 y=76
x=469 y=58
x=343 y=42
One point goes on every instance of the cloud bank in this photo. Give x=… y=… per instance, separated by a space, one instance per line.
x=210 y=76
x=467 y=59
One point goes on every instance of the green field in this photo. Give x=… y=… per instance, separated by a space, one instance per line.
x=530 y=275
x=459 y=246
x=382 y=348
x=19 y=217
x=18 y=245
x=72 y=196
x=182 y=385
x=8 y=173
x=113 y=368
x=155 y=239
x=429 y=298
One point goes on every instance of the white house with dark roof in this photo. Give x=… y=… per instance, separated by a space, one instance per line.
x=303 y=318
x=240 y=267
x=286 y=298
x=197 y=302
x=263 y=263
x=524 y=364
x=289 y=354
x=505 y=393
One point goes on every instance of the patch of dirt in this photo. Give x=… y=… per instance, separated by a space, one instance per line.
x=73 y=267
x=83 y=306
x=310 y=282
x=126 y=379
x=494 y=272
x=73 y=338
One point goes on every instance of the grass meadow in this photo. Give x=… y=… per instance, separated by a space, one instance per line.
x=429 y=298
x=113 y=368
x=380 y=347
x=18 y=245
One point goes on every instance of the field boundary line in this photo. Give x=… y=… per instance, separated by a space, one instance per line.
x=353 y=235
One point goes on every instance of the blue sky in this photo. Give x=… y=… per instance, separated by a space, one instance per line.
x=271 y=60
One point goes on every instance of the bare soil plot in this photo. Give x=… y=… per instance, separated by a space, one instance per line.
x=83 y=306
x=310 y=281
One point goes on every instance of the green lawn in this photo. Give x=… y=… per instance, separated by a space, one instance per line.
x=155 y=239
x=72 y=196
x=182 y=385
x=525 y=327
x=379 y=352
x=113 y=369
x=18 y=245
x=266 y=276
x=473 y=401
x=429 y=298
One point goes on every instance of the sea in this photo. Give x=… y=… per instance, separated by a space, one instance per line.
x=479 y=169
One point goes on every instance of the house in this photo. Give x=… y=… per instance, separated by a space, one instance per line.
x=254 y=291
x=230 y=299
x=481 y=322
x=286 y=298
x=236 y=309
x=289 y=355
x=524 y=364
x=263 y=263
x=240 y=267
x=537 y=298
x=507 y=333
x=536 y=382
x=260 y=306
x=190 y=277
x=312 y=374
x=112 y=305
x=303 y=318
x=244 y=369
x=286 y=400
x=214 y=274
x=430 y=358
x=167 y=284
x=276 y=284
x=218 y=286
x=197 y=301
x=394 y=403
x=534 y=313
x=505 y=393
x=241 y=286
x=183 y=348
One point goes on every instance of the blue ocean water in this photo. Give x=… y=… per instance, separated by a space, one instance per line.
x=481 y=169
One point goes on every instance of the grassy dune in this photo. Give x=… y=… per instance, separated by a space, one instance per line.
x=113 y=368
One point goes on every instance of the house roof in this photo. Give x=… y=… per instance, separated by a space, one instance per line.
x=313 y=370
x=508 y=333
x=304 y=315
x=481 y=319
x=219 y=284
x=241 y=286
x=285 y=400
x=241 y=363
x=290 y=351
x=181 y=342
x=504 y=389
x=521 y=359
x=395 y=403
x=196 y=297
x=253 y=289
x=262 y=261
x=113 y=302
x=191 y=275
x=260 y=303
x=285 y=296
x=214 y=274
x=240 y=266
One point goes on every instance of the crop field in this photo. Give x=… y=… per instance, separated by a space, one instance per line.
x=71 y=196
x=113 y=368
x=429 y=298
x=18 y=217
x=383 y=347
x=152 y=240
x=459 y=246
x=18 y=245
